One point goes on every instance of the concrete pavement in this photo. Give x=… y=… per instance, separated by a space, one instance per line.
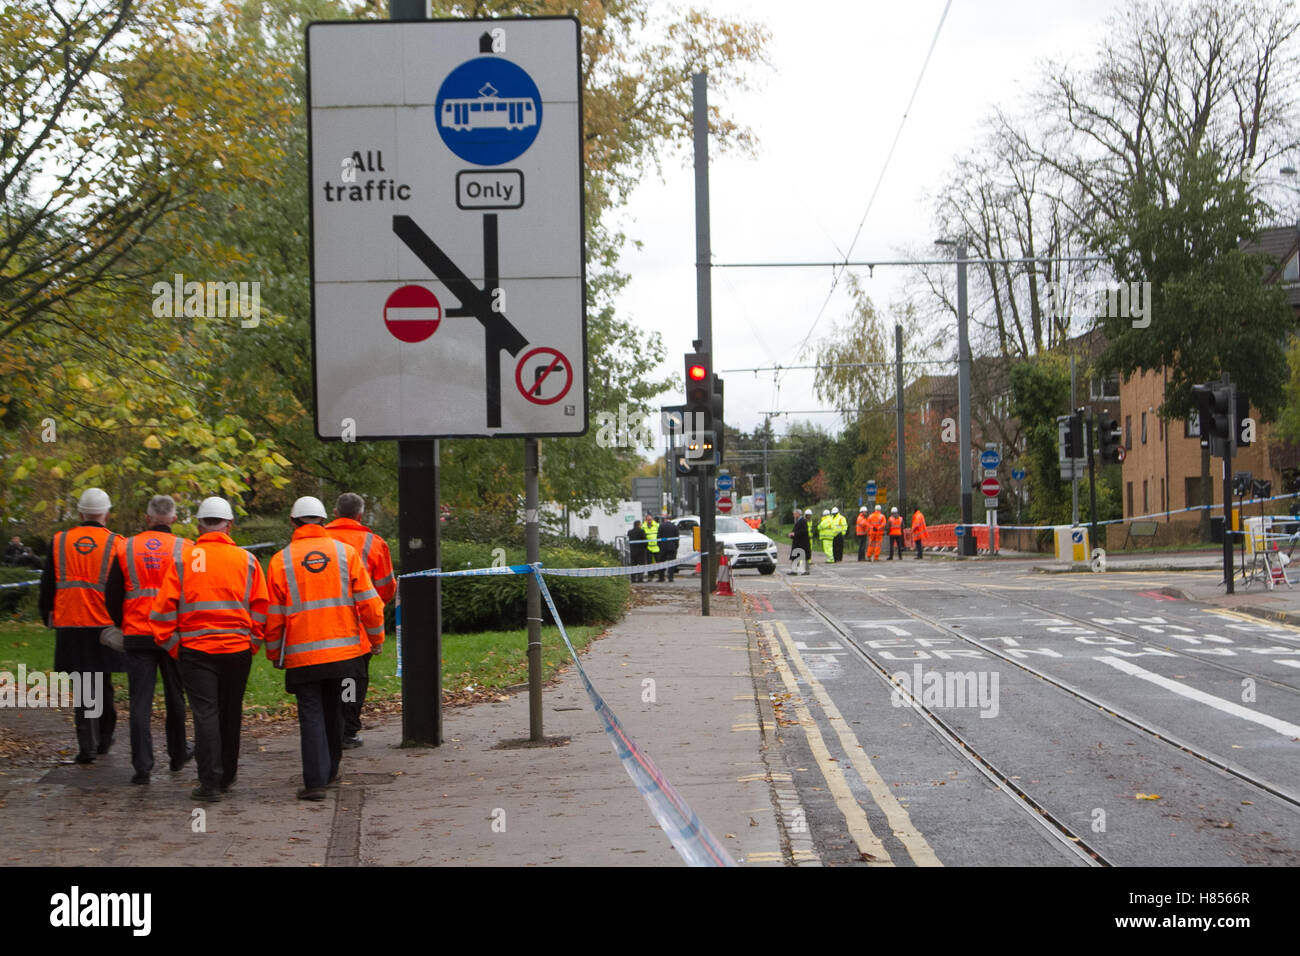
x=684 y=687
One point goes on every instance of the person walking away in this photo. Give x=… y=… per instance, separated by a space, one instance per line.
x=325 y=616
x=651 y=529
x=347 y=527
x=144 y=560
x=80 y=583
x=668 y=544
x=636 y=549
x=875 y=531
x=800 y=546
x=895 y=534
x=209 y=615
x=860 y=529
x=826 y=531
x=918 y=531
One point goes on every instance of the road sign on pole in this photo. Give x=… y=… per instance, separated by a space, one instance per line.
x=446 y=198
x=990 y=487
x=724 y=503
x=990 y=458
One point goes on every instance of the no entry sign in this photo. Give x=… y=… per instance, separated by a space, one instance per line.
x=412 y=313
x=990 y=487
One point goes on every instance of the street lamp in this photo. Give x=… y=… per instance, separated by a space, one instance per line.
x=967 y=544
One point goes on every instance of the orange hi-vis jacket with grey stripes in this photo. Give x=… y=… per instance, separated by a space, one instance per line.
x=373 y=550
x=324 y=606
x=82 y=559
x=918 y=526
x=144 y=559
x=213 y=599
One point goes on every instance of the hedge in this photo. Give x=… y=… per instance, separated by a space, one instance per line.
x=499 y=602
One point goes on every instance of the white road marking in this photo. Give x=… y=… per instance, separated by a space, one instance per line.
x=1228 y=707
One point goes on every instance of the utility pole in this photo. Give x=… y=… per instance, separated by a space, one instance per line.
x=898 y=426
x=703 y=313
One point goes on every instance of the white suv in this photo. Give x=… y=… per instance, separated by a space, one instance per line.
x=743 y=546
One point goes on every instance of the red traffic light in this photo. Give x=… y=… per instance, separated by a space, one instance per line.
x=696 y=373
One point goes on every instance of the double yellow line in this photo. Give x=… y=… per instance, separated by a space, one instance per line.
x=775 y=636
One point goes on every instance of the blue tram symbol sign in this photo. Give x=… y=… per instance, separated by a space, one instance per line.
x=489 y=111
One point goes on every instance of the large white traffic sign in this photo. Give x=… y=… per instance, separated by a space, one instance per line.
x=447 y=246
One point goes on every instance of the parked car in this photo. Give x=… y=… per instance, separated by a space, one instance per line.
x=743 y=546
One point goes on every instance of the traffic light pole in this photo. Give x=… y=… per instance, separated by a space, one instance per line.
x=1092 y=481
x=1229 y=446
x=703 y=309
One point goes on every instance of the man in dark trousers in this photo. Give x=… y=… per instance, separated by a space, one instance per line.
x=80 y=596
x=668 y=546
x=144 y=561
x=895 y=534
x=799 y=542
x=636 y=549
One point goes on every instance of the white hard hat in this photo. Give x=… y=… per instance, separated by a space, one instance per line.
x=835 y=511
x=863 y=508
x=94 y=501
x=825 y=512
x=214 y=507
x=893 y=511
x=307 y=507
x=877 y=507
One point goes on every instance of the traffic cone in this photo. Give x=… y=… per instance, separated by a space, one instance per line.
x=724 y=578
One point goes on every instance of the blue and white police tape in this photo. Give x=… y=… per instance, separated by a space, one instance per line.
x=692 y=840
x=21 y=584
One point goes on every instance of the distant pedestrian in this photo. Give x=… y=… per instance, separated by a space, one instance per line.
x=80 y=588
x=668 y=545
x=895 y=534
x=325 y=618
x=636 y=549
x=918 y=531
x=209 y=615
x=800 y=546
x=651 y=529
x=144 y=561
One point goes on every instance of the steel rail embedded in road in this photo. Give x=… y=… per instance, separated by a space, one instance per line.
x=1055 y=828
x=1153 y=730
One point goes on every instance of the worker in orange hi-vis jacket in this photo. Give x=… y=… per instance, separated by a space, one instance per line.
x=918 y=531
x=347 y=527
x=861 y=528
x=875 y=531
x=895 y=534
x=324 y=616
x=209 y=615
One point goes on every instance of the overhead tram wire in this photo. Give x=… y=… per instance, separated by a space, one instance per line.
x=879 y=181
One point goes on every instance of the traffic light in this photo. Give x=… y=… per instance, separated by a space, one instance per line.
x=1110 y=441
x=1214 y=408
x=699 y=392
x=699 y=448
x=715 y=415
x=1074 y=437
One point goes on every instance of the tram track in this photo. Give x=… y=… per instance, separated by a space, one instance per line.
x=1288 y=796
x=1051 y=825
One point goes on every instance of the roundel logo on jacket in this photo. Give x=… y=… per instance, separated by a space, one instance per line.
x=85 y=544
x=153 y=544
x=316 y=561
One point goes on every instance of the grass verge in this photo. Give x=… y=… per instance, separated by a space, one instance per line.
x=482 y=661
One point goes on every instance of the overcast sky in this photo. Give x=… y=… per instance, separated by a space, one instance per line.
x=825 y=115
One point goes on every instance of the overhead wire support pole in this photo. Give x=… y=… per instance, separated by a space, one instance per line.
x=703 y=311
